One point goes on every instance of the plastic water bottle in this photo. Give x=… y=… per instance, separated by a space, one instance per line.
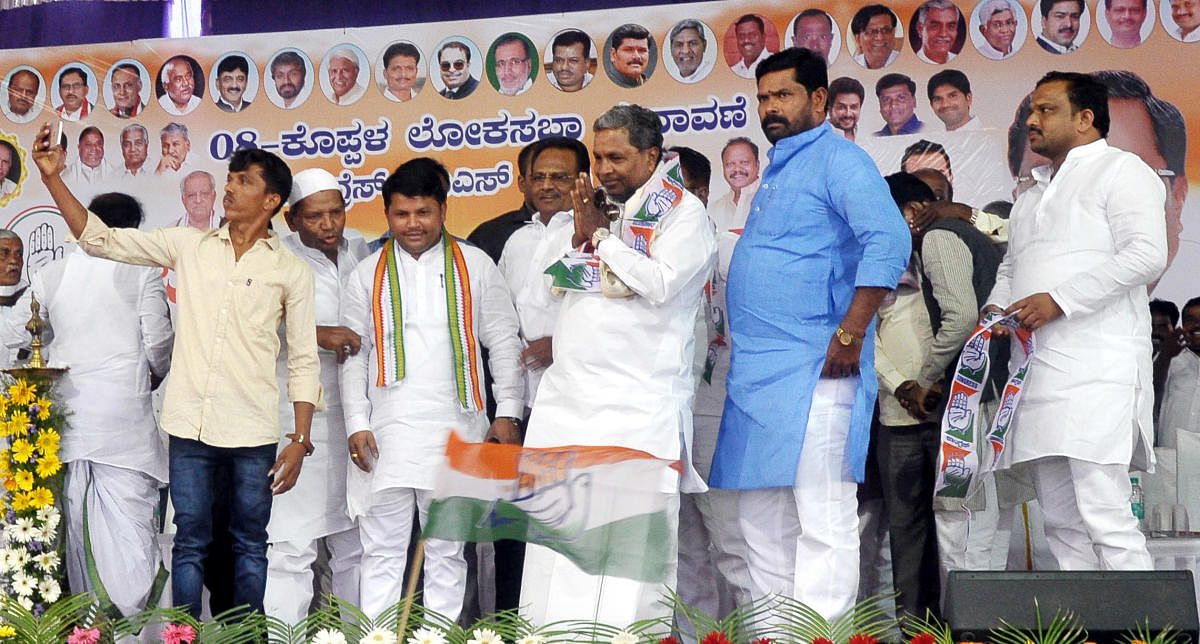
x=1137 y=502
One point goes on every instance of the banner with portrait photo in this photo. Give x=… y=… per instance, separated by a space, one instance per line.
x=471 y=93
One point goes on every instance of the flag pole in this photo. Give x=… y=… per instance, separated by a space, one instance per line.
x=413 y=575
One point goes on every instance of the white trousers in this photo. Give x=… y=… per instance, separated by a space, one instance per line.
x=289 y=591
x=802 y=541
x=713 y=577
x=553 y=588
x=385 y=530
x=976 y=540
x=121 y=506
x=1089 y=523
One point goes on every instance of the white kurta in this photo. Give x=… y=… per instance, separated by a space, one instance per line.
x=622 y=375
x=1093 y=238
x=527 y=254
x=111 y=327
x=12 y=324
x=1181 y=399
x=411 y=419
x=316 y=506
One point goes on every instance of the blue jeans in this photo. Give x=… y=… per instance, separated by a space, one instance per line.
x=194 y=470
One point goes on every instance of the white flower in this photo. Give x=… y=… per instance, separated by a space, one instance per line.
x=16 y=558
x=23 y=584
x=484 y=636
x=624 y=637
x=47 y=561
x=427 y=636
x=25 y=602
x=532 y=639
x=44 y=534
x=49 y=590
x=379 y=636
x=328 y=636
x=49 y=517
x=21 y=531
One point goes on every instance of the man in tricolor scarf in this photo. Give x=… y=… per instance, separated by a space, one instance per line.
x=314 y=514
x=623 y=347
x=425 y=305
x=823 y=244
x=1085 y=240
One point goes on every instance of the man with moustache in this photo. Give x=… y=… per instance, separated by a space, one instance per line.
x=343 y=77
x=795 y=426
x=7 y=186
x=629 y=53
x=22 y=88
x=198 y=191
x=90 y=167
x=454 y=58
x=874 y=30
x=751 y=33
x=12 y=286
x=288 y=72
x=126 y=85
x=135 y=144
x=998 y=25
x=897 y=105
x=232 y=73
x=1186 y=14
x=739 y=166
x=813 y=30
x=950 y=99
x=1060 y=25
x=175 y=148
x=237 y=285
x=622 y=370
x=569 y=65
x=845 y=105
x=400 y=62
x=688 y=45
x=314 y=514
x=180 y=85
x=73 y=90
x=513 y=64
x=1125 y=18
x=937 y=26
x=1085 y=240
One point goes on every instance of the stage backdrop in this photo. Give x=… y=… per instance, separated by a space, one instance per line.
x=324 y=99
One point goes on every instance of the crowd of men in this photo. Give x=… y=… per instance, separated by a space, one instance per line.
x=314 y=377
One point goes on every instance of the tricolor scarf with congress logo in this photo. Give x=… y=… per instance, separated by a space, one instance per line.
x=959 y=466
x=580 y=271
x=387 y=313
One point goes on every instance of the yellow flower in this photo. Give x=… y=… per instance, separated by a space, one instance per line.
x=44 y=404
x=22 y=392
x=24 y=480
x=3 y=405
x=6 y=630
x=48 y=466
x=40 y=498
x=22 y=450
x=10 y=484
x=20 y=499
x=19 y=420
x=47 y=441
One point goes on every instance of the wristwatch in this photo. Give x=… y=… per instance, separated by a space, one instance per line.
x=845 y=337
x=600 y=235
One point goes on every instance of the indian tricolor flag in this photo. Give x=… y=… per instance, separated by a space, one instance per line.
x=603 y=508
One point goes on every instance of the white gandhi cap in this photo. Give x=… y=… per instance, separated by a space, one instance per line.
x=312 y=180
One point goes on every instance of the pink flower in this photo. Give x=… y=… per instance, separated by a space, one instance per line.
x=80 y=636
x=178 y=634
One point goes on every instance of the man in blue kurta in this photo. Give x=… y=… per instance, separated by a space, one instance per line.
x=823 y=245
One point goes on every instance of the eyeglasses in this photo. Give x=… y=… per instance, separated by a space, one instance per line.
x=458 y=64
x=510 y=62
x=71 y=87
x=877 y=33
x=554 y=177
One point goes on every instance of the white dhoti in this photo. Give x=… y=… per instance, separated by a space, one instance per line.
x=802 y=541
x=289 y=592
x=385 y=529
x=121 y=505
x=554 y=589
x=1089 y=523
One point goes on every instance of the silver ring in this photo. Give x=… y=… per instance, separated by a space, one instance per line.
x=346 y=348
